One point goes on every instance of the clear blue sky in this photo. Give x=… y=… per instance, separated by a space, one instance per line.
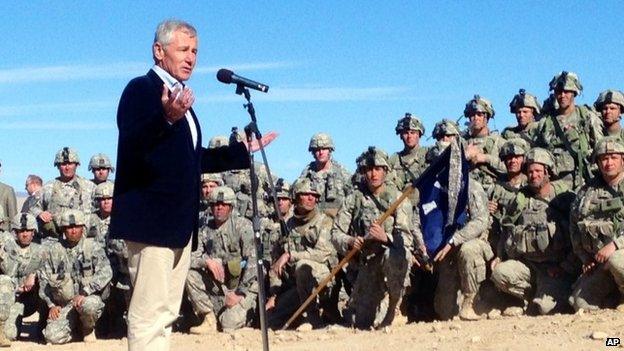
x=347 y=68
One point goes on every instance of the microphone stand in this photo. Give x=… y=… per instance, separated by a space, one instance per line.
x=250 y=130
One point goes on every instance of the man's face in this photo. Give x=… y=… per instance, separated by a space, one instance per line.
x=179 y=56
x=68 y=169
x=207 y=188
x=24 y=237
x=221 y=211
x=537 y=175
x=611 y=165
x=524 y=116
x=31 y=187
x=106 y=205
x=375 y=177
x=73 y=233
x=283 y=205
x=478 y=121
x=306 y=201
x=610 y=113
x=322 y=155
x=565 y=98
x=447 y=138
x=101 y=174
x=514 y=163
x=410 y=138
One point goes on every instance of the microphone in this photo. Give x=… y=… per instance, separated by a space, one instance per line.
x=227 y=77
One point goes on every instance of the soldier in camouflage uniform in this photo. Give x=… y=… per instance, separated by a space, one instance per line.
x=408 y=163
x=68 y=191
x=209 y=181
x=101 y=167
x=538 y=263
x=526 y=108
x=610 y=104
x=20 y=259
x=74 y=282
x=571 y=132
x=482 y=146
x=332 y=179
x=98 y=222
x=596 y=223
x=385 y=257
x=307 y=259
x=222 y=279
x=461 y=263
x=270 y=226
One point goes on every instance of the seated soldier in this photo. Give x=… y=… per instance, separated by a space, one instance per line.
x=307 y=259
x=20 y=259
x=270 y=226
x=74 y=281
x=222 y=279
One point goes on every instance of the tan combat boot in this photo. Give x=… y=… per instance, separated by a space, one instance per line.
x=90 y=337
x=4 y=341
x=467 y=311
x=208 y=325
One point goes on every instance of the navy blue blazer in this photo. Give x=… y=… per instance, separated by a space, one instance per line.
x=157 y=182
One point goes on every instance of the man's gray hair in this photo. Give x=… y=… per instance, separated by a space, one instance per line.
x=165 y=30
x=32 y=178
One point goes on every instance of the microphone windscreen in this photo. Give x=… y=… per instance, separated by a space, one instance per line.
x=224 y=76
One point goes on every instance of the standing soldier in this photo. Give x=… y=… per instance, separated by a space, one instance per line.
x=8 y=206
x=74 y=281
x=308 y=256
x=571 y=132
x=20 y=259
x=332 y=179
x=610 y=104
x=34 y=187
x=101 y=167
x=526 y=108
x=596 y=223
x=209 y=181
x=538 y=262
x=98 y=222
x=482 y=146
x=384 y=260
x=408 y=163
x=222 y=279
x=270 y=226
x=67 y=191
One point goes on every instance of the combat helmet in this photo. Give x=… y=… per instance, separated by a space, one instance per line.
x=479 y=104
x=566 y=81
x=103 y=190
x=305 y=186
x=218 y=141
x=100 y=161
x=282 y=188
x=66 y=155
x=541 y=156
x=409 y=122
x=513 y=147
x=321 y=141
x=445 y=127
x=24 y=221
x=72 y=217
x=212 y=177
x=608 y=145
x=223 y=194
x=372 y=157
x=610 y=96
x=524 y=99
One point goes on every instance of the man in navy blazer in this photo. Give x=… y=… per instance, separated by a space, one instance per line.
x=157 y=188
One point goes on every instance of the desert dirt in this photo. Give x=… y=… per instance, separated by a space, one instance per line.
x=581 y=331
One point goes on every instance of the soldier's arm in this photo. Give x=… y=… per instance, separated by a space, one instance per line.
x=575 y=233
x=11 y=204
x=198 y=257
x=44 y=277
x=340 y=233
x=416 y=230
x=103 y=272
x=248 y=282
x=402 y=226
x=479 y=217
x=493 y=161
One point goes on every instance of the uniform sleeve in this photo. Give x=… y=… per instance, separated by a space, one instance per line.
x=575 y=233
x=493 y=161
x=478 y=215
x=43 y=202
x=403 y=226
x=103 y=272
x=44 y=280
x=11 y=203
x=199 y=256
x=249 y=281
x=341 y=229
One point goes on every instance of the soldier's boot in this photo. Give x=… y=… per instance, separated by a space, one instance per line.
x=89 y=337
x=313 y=317
x=207 y=326
x=4 y=341
x=467 y=311
x=392 y=313
x=516 y=311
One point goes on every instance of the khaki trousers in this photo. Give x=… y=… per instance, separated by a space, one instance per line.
x=157 y=275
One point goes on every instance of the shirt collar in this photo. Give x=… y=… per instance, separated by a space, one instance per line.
x=165 y=76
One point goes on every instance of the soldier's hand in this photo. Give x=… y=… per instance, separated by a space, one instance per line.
x=270 y=303
x=45 y=216
x=278 y=266
x=494 y=262
x=176 y=102
x=471 y=151
x=54 y=313
x=588 y=267
x=492 y=206
x=603 y=254
x=77 y=301
x=29 y=282
x=377 y=233
x=356 y=242
x=232 y=299
x=216 y=269
x=442 y=253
